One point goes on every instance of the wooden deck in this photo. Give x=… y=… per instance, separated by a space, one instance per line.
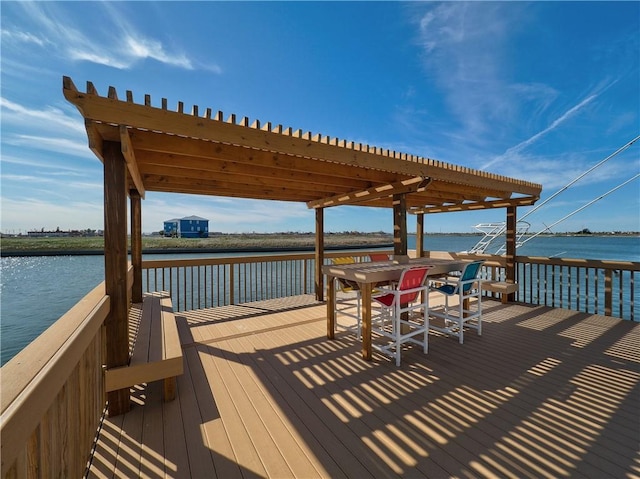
x=542 y=393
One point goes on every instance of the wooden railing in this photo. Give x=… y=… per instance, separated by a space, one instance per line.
x=53 y=395
x=208 y=282
x=589 y=286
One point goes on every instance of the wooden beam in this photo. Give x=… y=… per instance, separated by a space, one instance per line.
x=115 y=259
x=136 y=245
x=233 y=166
x=426 y=197
x=255 y=193
x=130 y=158
x=399 y=225
x=480 y=191
x=187 y=151
x=319 y=254
x=410 y=185
x=525 y=201
x=94 y=138
x=228 y=188
x=420 y=236
x=153 y=173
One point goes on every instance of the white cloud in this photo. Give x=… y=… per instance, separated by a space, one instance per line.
x=114 y=42
x=34 y=161
x=23 y=37
x=32 y=180
x=555 y=172
x=142 y=48
x=464 y=52
x=31 y=213
x=226 y=214
x=59 y=137
x=59 y=145
x=49 y=118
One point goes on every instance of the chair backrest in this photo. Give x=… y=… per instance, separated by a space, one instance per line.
x=470 y=271
x=412 y=278
x=343 y=260
x=345 y=284
x=379 y=257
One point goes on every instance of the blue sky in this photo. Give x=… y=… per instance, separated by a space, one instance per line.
x=539 y=91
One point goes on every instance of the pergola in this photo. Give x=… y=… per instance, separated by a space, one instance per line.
x=149 y=148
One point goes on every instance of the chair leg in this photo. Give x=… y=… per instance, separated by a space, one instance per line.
x=397 y=331
x=359 y=320
x=480 y=314
x=425 y=325
x=461 y=320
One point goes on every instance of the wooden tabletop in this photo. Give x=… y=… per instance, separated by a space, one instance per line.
x=378 y=271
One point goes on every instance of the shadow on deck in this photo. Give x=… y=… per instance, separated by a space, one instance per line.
x=542 y=393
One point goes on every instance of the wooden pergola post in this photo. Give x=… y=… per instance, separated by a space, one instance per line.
x=399 y=225
x=510 y=243
x=136 y=245
x=115 y=262
x=319 y=254
x=420 y=235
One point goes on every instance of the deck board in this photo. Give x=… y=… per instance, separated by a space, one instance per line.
x=543 y=393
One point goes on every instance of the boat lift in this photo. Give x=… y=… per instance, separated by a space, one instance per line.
x=496 y=230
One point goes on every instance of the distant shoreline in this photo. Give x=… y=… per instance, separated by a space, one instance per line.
x=251 y=249
x=226 y=243
x=237 y=243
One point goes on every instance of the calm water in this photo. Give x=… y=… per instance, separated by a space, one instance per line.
x=36 y=291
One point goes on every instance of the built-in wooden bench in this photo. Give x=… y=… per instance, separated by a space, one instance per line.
x=156 y=354
x=501 y=287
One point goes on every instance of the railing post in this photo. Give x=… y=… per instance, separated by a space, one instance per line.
x=608 y=292
x=305 y=272
x=510 y=256
x=232 y=282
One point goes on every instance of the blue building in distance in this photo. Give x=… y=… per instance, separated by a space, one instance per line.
x=187 y=227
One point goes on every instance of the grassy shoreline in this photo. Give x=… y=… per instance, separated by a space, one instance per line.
x=221 y=242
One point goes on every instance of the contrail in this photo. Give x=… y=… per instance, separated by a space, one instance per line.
x=527 y=142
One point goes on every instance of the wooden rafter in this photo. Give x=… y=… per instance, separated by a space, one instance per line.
x=384 y=191
x=250 y=193
x=129 y=156
x=187 y=148
x=481 y=205
x=95 y=139
x=214 y=166
x=222 y=183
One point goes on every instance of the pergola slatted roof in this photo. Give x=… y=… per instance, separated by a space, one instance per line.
x=174 y=151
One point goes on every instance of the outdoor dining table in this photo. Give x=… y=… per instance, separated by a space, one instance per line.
x=368 y=274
